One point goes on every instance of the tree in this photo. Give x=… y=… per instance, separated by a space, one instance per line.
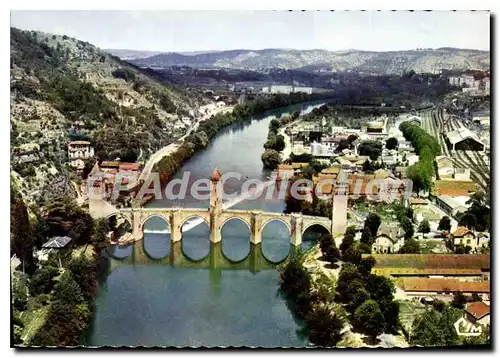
x=42 y=280
x=365 y=265
x=67 y=290
x=84 y=272
x=410 y=246
x=445 y=224
x=390 y=312
x=349 y=281
x=348 y=239
x=22 y=238
x=424 y=227
x=407 y=227
x=435 y=329
x=370 y=148
x=99 y=237
x=329 y=249
x=391 y=143
x=366 y=237
x=459 y=300
x=295 y=282
x=372 y=222
x=271 y=159
x=368 y=317
x=325 y=324
x=352 y=255
x=381 y=289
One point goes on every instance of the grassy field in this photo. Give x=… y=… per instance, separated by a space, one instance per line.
x=408 y=311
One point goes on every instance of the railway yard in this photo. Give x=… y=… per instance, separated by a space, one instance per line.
x=437 y=123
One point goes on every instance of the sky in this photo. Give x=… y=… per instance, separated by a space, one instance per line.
x=177 y=31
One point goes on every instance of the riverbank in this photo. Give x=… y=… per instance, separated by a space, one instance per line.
x=314 y=291
x=66 y=311
x=200 y=138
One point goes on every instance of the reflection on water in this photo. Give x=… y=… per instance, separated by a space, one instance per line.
x=275 y=241
x=165 y=306
x=196 y=242
x=235 y=240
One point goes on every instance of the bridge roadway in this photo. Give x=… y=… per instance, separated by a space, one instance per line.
x=255 y=261
x=255 y=220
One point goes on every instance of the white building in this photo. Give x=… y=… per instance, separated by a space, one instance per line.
x=78 y=151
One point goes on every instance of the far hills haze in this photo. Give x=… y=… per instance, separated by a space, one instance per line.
x=391 y=62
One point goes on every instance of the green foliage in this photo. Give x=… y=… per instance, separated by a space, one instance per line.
x=478 y=215
x=271 y=159
x=125 y=74
x=99 y=238
x=42 y=280
x=410 y=246
x=424 y=227
x=435 y=329
x=295 y=282
x=349 y=281
x=67 y=290
x=21 y=239
x=325 y=324
x=407 y=227
x=328 y=248
x=459 y=300
x=427 y=148
x=370 y=148
x=84 y=272
x=391 y=143
x=369 y=318
x=365 y=265
x=445 y=224
x=348 y=239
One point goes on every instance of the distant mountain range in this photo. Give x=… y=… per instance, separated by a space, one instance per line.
x=391 y=62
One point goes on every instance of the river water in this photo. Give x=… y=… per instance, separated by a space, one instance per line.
x=166 y=305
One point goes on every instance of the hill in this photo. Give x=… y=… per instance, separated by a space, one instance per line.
x=63 y=88
x=392 y=62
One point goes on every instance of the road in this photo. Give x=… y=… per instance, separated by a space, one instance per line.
x=169 y=149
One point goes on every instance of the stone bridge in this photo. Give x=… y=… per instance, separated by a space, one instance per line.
x=216 y=217
x=255 y=220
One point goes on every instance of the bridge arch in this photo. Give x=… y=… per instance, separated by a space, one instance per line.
x=192 y=216
x=235 y=242
x=287 y=224
x=315 y=223
x=144 y=219
x=275 y=243
x=195 y=242
x=238 y=218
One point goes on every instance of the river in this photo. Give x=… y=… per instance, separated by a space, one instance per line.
x=166 y=305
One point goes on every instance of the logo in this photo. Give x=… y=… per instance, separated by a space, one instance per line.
x=467 y=329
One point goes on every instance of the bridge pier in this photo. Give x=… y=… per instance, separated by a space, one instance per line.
x=175 y=227
x=137 y=232
x=256 y=228
x=296 y=234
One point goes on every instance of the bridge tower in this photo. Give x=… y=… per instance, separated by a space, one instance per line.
x=340 y=195
x=215 y=206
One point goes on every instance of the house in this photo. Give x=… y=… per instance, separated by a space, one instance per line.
x=58 y=244
x=78 y=152
x=478 y=313
x=444 y=166
x=389 y=239
x=466 y=237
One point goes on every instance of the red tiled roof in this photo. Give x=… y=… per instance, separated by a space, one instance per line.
x=477 y=309
x=444 y=285
x=461 y=231
x=130 y=166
